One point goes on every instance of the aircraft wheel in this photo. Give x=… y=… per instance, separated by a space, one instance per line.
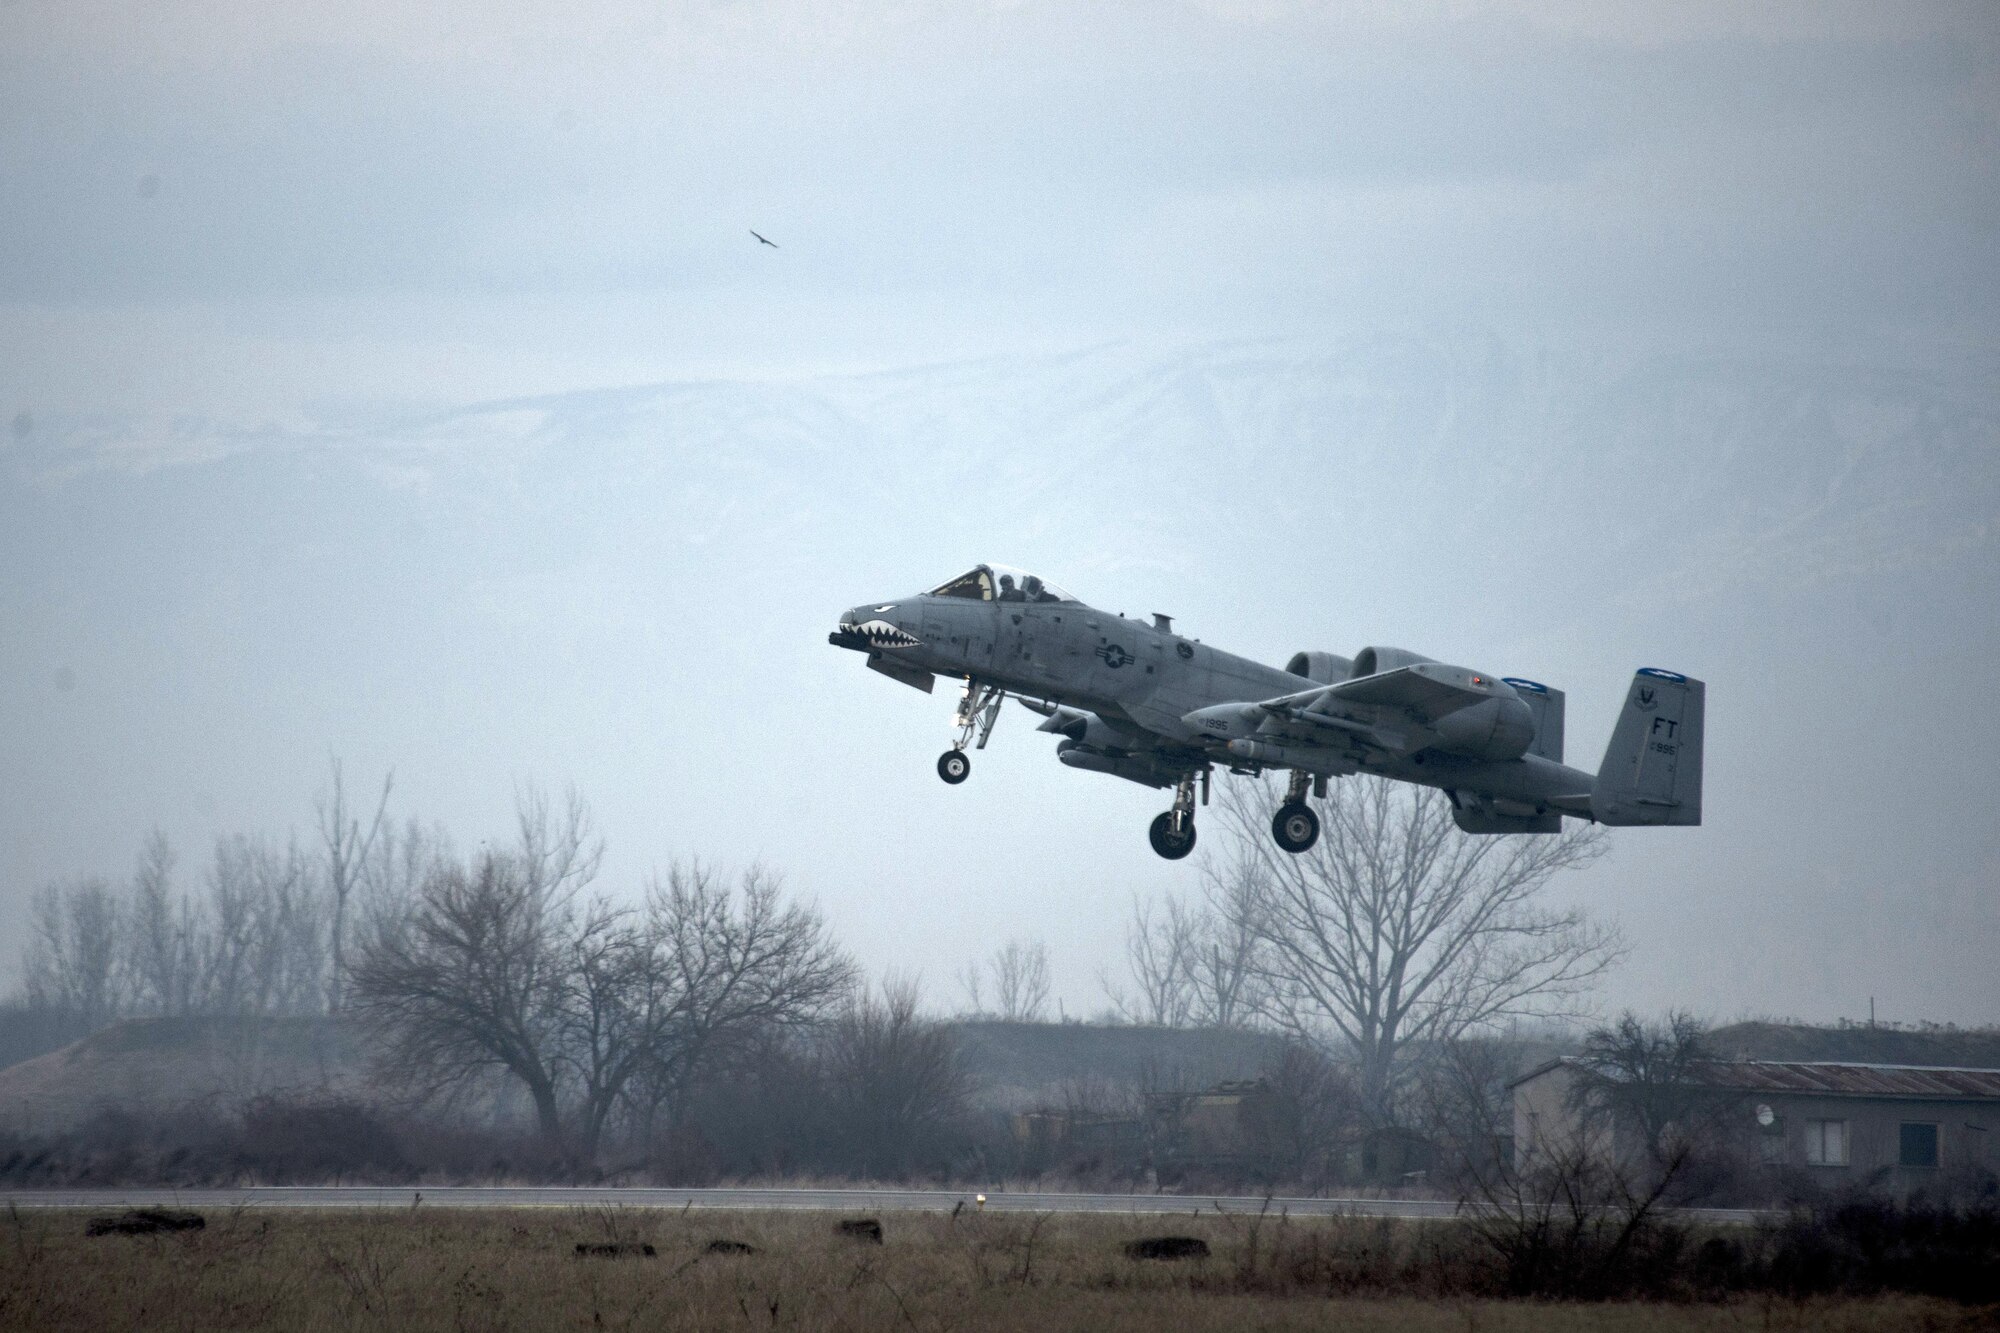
x=1295 y=827
x=1166 y=842
x=954 y=766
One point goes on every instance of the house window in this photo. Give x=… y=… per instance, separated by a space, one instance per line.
x=1826 y=1143
x=1917 y=1145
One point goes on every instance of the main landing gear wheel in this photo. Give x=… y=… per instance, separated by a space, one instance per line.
x=954 y=766
x=1295 y=827
x=1168 y=843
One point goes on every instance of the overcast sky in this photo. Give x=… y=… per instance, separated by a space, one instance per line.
x=1553 y=339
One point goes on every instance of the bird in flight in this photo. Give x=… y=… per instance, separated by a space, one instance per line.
x=772 y=244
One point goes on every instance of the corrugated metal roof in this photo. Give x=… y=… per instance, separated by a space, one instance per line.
x=1829 y=1078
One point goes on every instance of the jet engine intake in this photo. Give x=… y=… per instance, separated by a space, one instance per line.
x=1320 y=668
x=1372 y=661
x=1500 y=728
x=1088 y=730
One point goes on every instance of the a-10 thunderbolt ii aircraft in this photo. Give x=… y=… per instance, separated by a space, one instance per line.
x=1143 y=703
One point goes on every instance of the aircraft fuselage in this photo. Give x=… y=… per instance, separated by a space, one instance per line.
x=1136 y=700
x=1145 y=677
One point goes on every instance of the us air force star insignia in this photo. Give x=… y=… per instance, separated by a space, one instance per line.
x=1114 y=656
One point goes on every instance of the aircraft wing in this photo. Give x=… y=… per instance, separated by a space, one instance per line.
x=1426 y=690
x=1390 y=710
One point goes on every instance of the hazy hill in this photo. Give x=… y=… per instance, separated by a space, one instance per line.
x=1977 y=1048
x=163 y=1064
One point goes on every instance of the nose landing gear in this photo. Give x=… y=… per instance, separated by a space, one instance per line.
x=978 y=710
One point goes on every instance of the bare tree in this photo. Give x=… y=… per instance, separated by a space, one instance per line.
x=1575 y=1225
x=261 y=943
x=1223 y=945
x=557 y=845
x=1639 y=1080
x=289 y=968
x=254 y=943
x=972 y=980
x=1318 y=1113
x=477 y=974
x=1158 y=940
x=732 y=968
x=77 y=951
x=1020 y=974
x=612 y=1006
x=1194 y=966
x=1397 y=928
x=1465 y=1102
x=894 y=1078
x=347 y=851
x=223 y=980
x=403 y=858
x=470 y=981
x=160 y=935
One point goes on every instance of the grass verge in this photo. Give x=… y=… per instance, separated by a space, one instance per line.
x=521 y=1268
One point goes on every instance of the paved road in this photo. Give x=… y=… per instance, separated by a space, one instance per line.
x=845 y=1201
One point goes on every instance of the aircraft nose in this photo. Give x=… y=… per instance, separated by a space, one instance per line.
x=880 y=625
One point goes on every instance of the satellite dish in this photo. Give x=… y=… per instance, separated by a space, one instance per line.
x=1766 y=1116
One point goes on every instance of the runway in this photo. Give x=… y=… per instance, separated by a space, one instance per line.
x=822 y=1200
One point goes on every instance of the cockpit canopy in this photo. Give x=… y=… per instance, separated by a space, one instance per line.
x=1000 y=583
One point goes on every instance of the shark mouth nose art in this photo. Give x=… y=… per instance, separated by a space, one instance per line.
x=881 y=634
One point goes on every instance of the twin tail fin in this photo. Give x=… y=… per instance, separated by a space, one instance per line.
x=1652 y=769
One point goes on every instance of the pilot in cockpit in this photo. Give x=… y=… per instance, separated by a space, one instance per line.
x=1032 y=587
x=1009 y=593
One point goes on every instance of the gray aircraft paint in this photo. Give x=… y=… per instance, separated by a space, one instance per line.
x=1138 y=701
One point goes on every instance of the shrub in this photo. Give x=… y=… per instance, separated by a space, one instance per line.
x=286 y=1141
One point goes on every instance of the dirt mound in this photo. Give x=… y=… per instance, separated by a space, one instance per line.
x=171 y=1063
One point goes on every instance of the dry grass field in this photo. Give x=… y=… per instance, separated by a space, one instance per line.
x=520 y=1269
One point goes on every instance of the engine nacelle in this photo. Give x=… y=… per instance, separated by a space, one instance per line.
x=1500 y=728
x=1370 y=661
x=1320 y=668
x=1088 y=730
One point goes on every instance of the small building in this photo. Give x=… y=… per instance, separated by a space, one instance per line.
x=1230 y=1122
x=1229 y=1125
x=1077 y=1131
x=1893 y=1126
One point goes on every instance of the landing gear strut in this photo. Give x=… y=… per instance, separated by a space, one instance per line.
x=978 y=710
x=1295 y=826
x=1172 y=833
